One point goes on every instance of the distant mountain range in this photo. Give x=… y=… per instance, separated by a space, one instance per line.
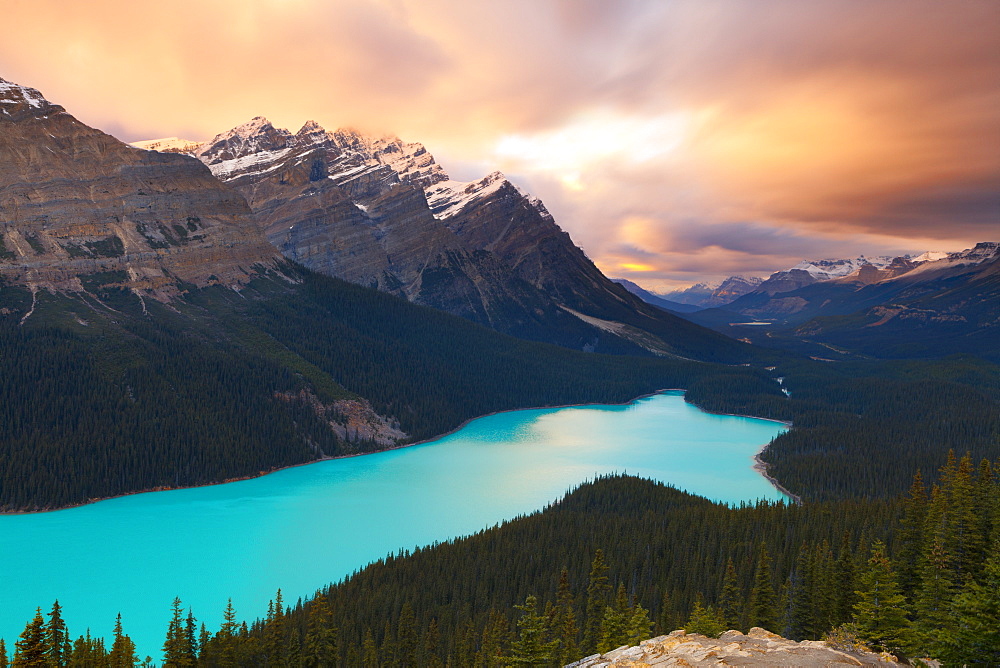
x=926 y=305
x=382 y=213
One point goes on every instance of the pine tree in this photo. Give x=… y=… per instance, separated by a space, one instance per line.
x=564 y=621
x=465 y=646
x=274 y=636
x=969 y=543
x=322 y=646
x=56 y=637
x=730 y=598
x=30 y=649
x=369 y=651
x=387 y=649
x=431 y=646
x=937 y=589
x=881 y=612
x=666 y=621
x=975 y=639
x=824 y=603
x=3 y=654
x=122 y=653
x=177 y=650
x=843 y=577
x=798 y=612
x=88 y=652
x=532 y=647
x=490 y=654
x=703 y=621
x=763 y=603
x=191 y=638
x=911 y=533
x=639 y=625
x=406 y=638
x=598 y=590
x=226 y=638
x=614 y=628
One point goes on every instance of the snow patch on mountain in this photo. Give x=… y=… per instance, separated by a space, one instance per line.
x=167 y=145
x=12 y=93
x=243 y=165
x=823 y=270
x=257 y=147
x=448 y=198
x=984 y=251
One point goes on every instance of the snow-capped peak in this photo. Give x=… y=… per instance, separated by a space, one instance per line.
x=984 y=250
x=930 y=256
x=252 y=127
x=834 y=268
x=311 y=128
x=168 y=145
x=449 y=197
x=12 y=94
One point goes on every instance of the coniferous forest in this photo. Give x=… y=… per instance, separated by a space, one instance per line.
x=617 y=560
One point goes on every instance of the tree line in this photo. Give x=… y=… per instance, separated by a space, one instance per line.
x=621 y=559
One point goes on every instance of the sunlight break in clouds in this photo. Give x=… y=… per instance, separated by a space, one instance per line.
x=592 y=139
x=747 y=134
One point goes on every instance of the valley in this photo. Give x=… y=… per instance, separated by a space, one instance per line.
x=185 y=325
x=301 y=528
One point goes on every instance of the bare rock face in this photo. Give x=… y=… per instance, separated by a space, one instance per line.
x=756 y=648
x=382 y=213
x=77 y=205
x=731 y=289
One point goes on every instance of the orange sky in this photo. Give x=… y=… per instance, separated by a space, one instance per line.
x=675 y=141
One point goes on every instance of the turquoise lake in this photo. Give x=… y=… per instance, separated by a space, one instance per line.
x=301 y=528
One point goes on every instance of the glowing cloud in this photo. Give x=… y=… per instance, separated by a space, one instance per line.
x=654 y=131
x=594 y=139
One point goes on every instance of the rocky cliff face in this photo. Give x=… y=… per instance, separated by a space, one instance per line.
x=756 y=648
x=382 y=213
x=79 y=207
x=731 y=289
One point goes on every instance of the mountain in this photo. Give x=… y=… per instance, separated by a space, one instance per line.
x=731 y=289
x=653 y=299
x=150 y=336
x=803 y=274
x=704 y=295
x=693 y=295
x=381 y=212
x=78 y=207
x=796 y=295
x=905 y=308
x=939 y=307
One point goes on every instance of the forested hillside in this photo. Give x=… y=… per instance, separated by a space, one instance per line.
x=861 y=429
x=621 y=559
x=104 y=393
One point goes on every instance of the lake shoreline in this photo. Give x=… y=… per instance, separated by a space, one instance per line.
x=759 y=466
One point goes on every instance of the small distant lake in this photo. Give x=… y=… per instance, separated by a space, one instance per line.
x=301 y=528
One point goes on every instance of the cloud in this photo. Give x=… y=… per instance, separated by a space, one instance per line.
x=830 y=124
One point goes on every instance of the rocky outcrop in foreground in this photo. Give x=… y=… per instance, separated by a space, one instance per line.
x=758 y=647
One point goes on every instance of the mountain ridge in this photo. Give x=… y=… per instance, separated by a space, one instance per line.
x=77 y=205
x=381 y=212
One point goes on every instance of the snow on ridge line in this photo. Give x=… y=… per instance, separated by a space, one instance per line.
x=836 y=268
x=30 y=95
x=167 y=144
x=228 y=167
x=449 y=197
